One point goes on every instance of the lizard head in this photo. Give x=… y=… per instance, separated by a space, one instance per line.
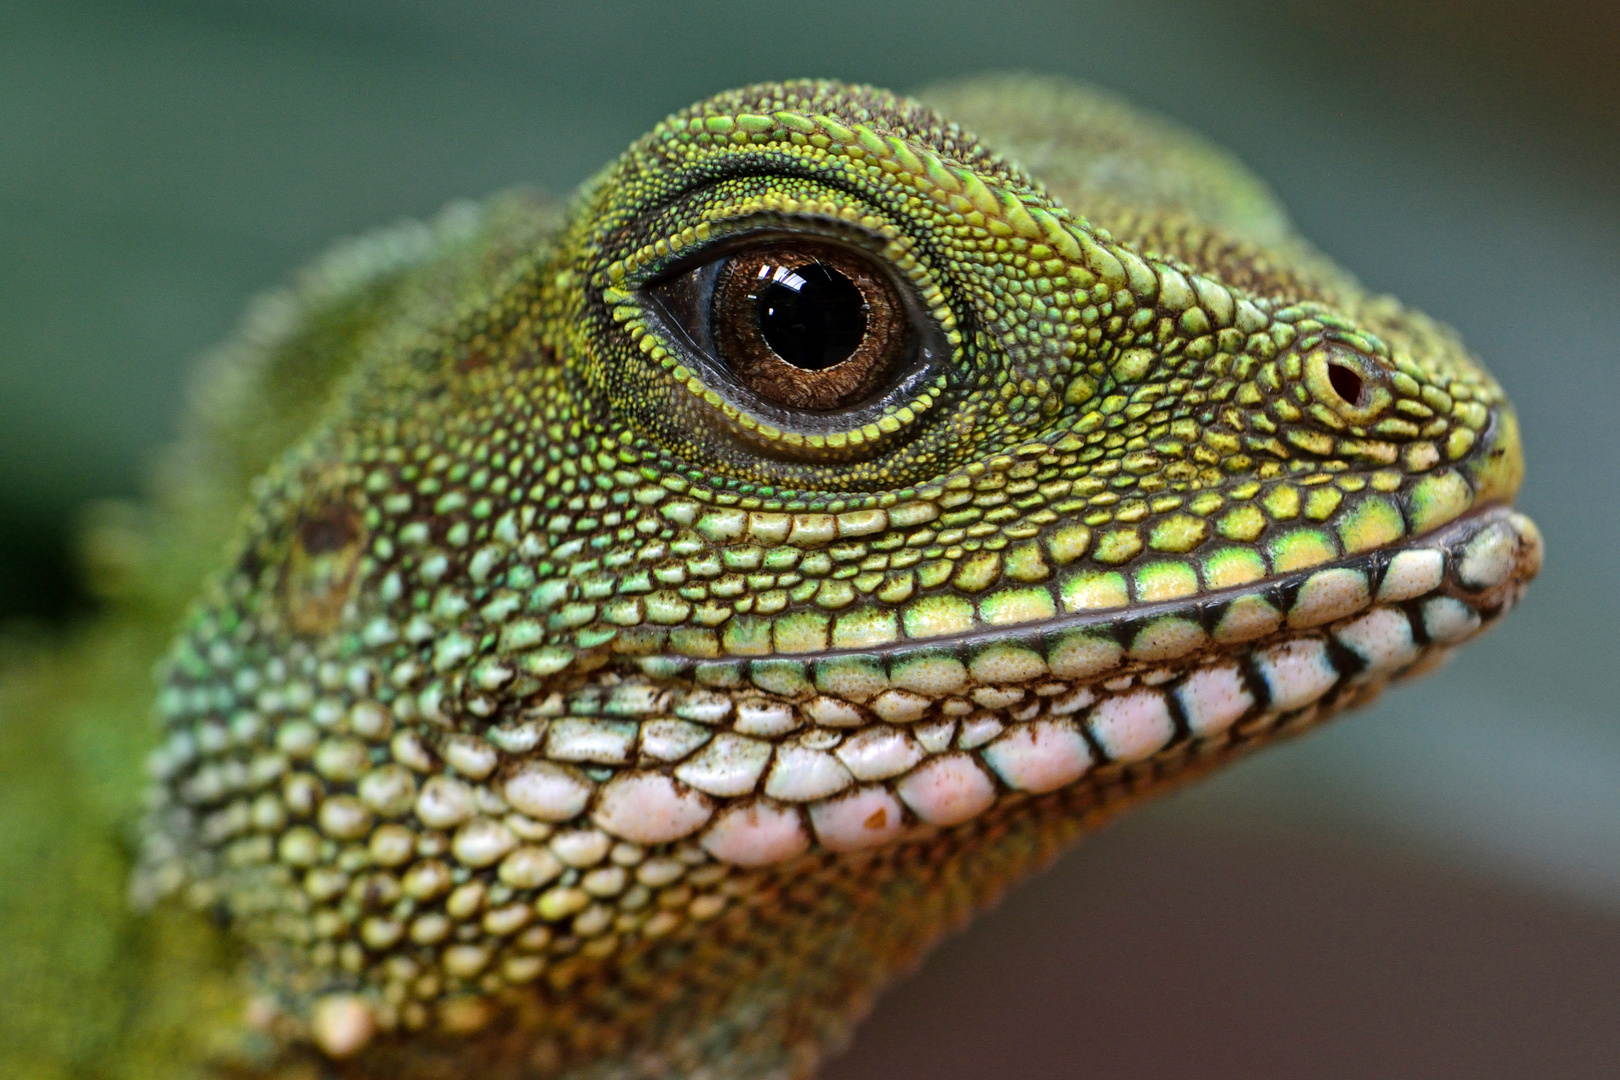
x=823 y=484
x=811 y=300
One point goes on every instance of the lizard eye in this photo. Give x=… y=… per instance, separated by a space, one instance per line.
x=803 y=325
x=1350 y=384
x=1347 y=382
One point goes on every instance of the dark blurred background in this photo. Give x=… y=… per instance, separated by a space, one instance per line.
x=1429 y=889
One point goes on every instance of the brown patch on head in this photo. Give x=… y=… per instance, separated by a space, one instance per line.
x=325 y=552
x=472 y=360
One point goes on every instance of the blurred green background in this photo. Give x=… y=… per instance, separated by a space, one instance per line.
x=1430 y=889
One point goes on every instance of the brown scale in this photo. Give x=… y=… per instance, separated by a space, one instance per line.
x=321 y=567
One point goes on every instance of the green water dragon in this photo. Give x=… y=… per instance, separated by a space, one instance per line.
x=616 y=638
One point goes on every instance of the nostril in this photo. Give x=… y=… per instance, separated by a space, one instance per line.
x=1347 y=383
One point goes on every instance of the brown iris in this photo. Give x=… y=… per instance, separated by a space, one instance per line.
x=808 y=326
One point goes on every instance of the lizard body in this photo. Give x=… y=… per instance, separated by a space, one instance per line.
x=655 y=622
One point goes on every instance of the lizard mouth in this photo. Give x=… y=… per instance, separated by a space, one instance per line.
x=1451 y=582
x=1098 y=704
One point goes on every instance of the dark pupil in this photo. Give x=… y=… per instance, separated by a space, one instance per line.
x=1345 y=382
x=811 y=316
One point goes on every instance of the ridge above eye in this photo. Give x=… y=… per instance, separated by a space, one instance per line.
x=804 y=324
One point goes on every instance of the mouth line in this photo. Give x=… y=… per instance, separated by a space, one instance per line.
x=1301 y=600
